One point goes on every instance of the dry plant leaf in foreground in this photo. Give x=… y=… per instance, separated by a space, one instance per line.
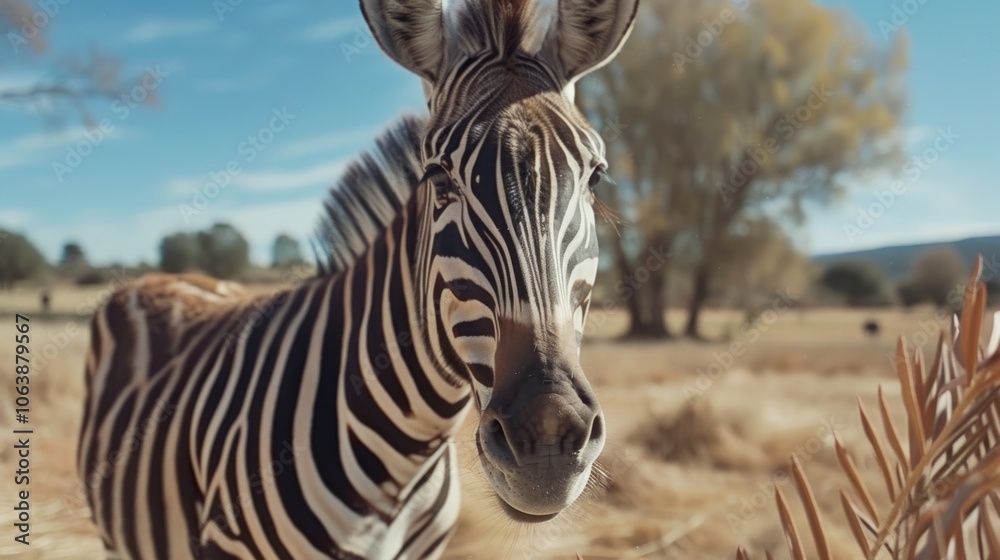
x=942 y=475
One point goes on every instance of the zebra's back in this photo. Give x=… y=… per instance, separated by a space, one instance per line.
x=142 y=339
x=180 y=453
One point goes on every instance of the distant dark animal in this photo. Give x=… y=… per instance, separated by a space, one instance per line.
x=871 y=327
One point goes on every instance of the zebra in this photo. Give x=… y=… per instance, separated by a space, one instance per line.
x=319 y=421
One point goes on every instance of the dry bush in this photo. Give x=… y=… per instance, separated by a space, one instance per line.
x=944 y=485
x=688 y=436
x=697 y=434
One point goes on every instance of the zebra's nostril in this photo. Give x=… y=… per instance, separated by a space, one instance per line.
x=597 y=428
x=496 y=428
x=497 y=444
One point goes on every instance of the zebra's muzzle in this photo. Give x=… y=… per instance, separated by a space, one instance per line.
x=538 y=438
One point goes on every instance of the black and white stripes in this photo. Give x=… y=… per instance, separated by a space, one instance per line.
x=458 y=261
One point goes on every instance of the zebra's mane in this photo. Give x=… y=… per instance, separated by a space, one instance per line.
x=504 y=26
x=369 y=195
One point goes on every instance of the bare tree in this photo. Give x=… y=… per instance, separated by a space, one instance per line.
x=68 y=84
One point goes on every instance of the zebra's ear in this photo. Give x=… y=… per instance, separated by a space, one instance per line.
x=587 y=34
x=411 y=32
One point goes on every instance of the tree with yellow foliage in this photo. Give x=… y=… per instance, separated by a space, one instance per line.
x=718 y=110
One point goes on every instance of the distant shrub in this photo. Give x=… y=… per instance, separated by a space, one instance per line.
x=937 y=275
x=859 y=283
x=92 y=277
x=286 y=252
x=178 y=253
x=993 y=292
x=19 y=259
x=910 y=294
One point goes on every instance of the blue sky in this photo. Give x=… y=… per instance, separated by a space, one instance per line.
x=304 y=80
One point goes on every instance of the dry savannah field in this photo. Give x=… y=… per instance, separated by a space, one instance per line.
x=699 y=434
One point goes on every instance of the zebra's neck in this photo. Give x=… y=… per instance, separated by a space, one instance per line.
x=395 y=379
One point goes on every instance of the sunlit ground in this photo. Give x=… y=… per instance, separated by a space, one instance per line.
x=693 y=453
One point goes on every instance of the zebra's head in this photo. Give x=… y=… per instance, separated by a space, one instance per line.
x=507 y=249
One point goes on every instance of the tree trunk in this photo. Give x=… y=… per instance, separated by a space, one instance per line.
x=626 y=293
x=642 y=286
x=657 y=325
x=699 y=293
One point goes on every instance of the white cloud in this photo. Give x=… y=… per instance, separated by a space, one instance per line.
x=235 y=39
x=917 y=135
x=940 y=205
x=331 y=30
x=21 y=82
x=156 y=30
x=231 y=85
x=272 y=12
x=183 y=186
x=320 y=175
x=359 y=137
x=14 y=218
x=24 y=80
x=317 y=175
x=33 y=148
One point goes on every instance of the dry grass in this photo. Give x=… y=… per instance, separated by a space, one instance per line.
x=60 y=525
x=689 y=471
x=944 y=486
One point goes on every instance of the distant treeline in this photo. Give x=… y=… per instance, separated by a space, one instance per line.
x=220 y=251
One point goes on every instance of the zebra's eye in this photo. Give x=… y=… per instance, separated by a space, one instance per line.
x=445 y=189
x=459 y=286
x=599 y=176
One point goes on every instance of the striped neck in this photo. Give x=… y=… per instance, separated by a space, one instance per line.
x=402 y=366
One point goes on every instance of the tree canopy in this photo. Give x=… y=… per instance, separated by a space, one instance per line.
x=19 y=259
x=860 y=283
x=937 y=276
x=220 y=250
x=73 y=255
x=714 y=114
x=286 y=252
x=178 y=253
x=223 y=251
